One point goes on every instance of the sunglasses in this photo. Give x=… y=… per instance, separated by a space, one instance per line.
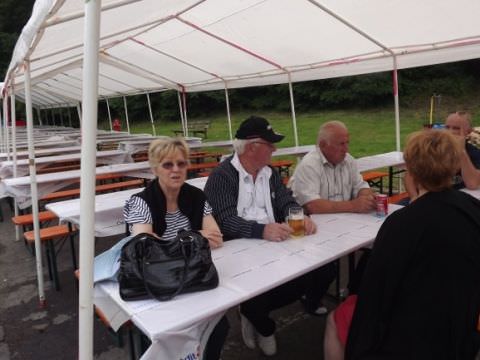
x=168 y=165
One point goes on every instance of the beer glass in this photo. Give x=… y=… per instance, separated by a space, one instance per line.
x=296 y=221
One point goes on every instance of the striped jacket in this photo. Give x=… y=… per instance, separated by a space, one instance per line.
x=222 y=193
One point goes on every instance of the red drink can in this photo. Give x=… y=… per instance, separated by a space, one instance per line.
x=382 y=204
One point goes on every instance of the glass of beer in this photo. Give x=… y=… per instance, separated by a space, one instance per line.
x=296 y=221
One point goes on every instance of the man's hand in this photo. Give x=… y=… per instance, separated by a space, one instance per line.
x=276 y=232
x=310 y=226
x=364 y=203
x=215 y=238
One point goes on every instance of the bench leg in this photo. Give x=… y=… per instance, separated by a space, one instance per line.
x=72 y=247
x=53 y=262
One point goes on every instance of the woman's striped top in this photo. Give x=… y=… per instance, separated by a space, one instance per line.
x=136 y=211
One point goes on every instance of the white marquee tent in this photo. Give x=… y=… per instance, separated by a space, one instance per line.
x=82 y=50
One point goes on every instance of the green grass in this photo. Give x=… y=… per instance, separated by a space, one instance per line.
x=371 y=131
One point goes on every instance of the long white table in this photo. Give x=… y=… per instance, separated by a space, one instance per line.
x=20 y=187
x=103 y=158
x=42 y=152
x=246 y=267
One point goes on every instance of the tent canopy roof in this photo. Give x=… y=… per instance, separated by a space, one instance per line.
x=199 y=45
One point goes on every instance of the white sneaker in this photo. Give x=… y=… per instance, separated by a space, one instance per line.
x=268 y=344
x=248 y=332
x=321 y=310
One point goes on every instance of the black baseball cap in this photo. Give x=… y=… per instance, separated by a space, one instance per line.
x=257 y=127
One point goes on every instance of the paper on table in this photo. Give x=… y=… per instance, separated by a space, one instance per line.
x=107 y=264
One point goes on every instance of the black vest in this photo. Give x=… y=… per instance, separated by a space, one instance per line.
x=191 y=201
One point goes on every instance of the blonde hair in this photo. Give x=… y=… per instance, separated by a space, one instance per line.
x=161 y=148
x=432 y=158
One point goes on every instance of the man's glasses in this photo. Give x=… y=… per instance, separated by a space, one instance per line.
x=168 y=165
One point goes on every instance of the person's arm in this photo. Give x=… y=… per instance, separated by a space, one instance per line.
x=211 y=231
x=470 y=174
x=222 y=194
x=142 y=228
x=361 y=204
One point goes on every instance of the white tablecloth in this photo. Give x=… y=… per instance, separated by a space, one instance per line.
x=246 y=267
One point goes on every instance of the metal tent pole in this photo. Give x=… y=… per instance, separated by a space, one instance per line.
x=227 y=101
x=87 y=179
x=154 y=132
x=126 y=113
x=33 y=185
x=292 y=106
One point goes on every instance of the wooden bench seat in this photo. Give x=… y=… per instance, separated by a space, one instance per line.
x=283 y=166
x=48 y=170
x=27 y=219
x=195 y=128
x=74 y=193
x=375 y=178
x=47 y=235
x=394 y=199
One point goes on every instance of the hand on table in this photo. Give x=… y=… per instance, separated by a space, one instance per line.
x=276 y=232
x=215 y=238
x=365 y=203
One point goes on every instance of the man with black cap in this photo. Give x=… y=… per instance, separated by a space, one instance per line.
x=249 y=200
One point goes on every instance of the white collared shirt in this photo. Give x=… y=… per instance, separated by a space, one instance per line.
x=254 y=202
x=315 y=178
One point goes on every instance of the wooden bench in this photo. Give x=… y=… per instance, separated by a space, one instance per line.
x=394 y=199
x=195 y=128
x=52 y=169
x=73 y=193
x=375 y=178
x=47 y=236
x=283 y=167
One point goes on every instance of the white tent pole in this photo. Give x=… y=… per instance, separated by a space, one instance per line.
x=39 y=116
x=3 y=128
x=397 y=106
x=126 y=113
x=184 y=102
x=14 y=148
x=87 y=180
x=33 y=185
x=79 y=112
x=69 y=117
x=181 y=112
x=154 y=132
x=227 y=101
x=7 y=129
x=292 y=106
x=109 y=115
x=2 y=116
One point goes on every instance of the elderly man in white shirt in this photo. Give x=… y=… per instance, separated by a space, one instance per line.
x=327 y=179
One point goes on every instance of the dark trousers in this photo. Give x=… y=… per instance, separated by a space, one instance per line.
x=312 y=285
x=216 y=340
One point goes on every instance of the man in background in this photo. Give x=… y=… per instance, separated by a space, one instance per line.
x=327 y=179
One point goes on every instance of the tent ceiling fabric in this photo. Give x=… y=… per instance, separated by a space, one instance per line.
x=199 y=45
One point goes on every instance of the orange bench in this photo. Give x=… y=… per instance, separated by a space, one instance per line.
x=283 y=166
x=47 y=235
x=375 y=178
x=394 y=199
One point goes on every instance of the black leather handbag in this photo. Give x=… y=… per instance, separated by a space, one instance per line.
x=152 y=268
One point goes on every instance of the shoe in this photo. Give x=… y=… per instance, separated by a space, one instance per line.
x=248 y=332
x=319 y=311
x=316 y=310
x=268 y=344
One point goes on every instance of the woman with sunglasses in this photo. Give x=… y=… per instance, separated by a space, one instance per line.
x=168 y=204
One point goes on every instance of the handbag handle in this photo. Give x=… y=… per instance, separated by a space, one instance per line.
x=185 y=242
